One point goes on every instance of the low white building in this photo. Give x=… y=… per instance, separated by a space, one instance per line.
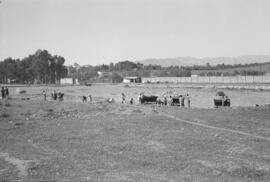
x=69 y=81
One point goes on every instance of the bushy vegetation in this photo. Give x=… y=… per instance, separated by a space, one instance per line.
x=125 y=68
x=207 y=66
x=234 y=73
x=116 y=78
x=40 y=67
x=5 y=115
x=253 y=69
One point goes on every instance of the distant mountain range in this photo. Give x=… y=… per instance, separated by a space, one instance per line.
x=190 y=61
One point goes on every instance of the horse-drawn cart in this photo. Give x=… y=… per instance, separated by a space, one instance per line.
x=149 y=99
x=221 y=99
x=175 y=101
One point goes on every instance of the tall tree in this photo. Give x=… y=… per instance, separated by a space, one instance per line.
x=60 y=70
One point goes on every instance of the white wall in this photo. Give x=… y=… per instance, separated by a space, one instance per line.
x=126 y=81
x=213 y=79
x=66 y=81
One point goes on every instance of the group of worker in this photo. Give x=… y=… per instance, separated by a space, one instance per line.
x=124 y=99
x=54 y=95
x=87 y=98
x=170 y=101
x=57 y=96
x=178 y=100
x=5 y=92
x=167 y=101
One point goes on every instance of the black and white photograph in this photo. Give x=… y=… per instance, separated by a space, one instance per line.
x=135 y=90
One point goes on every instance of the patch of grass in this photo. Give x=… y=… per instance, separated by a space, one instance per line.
x=249 y=172
x=19 y=124
x=137 y=111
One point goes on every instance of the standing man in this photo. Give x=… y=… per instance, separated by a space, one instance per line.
x=165 y=100
x=182 y=101
x=54 y=95
x=123 y=98
x=131 y=101
x=3 y=92
x=6 y=92
x=170 y=101
x=90 y=98
x=139 y=98
x=188 y=100
x=44 y=95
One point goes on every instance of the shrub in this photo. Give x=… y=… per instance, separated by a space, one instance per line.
x=5 y=115
x=116 y=78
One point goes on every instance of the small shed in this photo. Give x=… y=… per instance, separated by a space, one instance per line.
x=132 y=80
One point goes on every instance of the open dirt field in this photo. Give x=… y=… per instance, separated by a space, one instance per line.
x=200 y=97
x=100 y=141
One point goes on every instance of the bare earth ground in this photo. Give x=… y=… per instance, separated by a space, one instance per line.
x=72 y=141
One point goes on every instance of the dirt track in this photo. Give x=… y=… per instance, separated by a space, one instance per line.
x=71 y=141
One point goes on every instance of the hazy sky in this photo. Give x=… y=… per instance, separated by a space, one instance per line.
x=103 y=31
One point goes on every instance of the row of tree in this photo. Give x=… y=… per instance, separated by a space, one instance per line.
x=222 y=66
x=125 y=68
x=234 y=73
x=40 y=67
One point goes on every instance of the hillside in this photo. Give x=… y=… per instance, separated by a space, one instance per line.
x=165 y=62
x=190 y=61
